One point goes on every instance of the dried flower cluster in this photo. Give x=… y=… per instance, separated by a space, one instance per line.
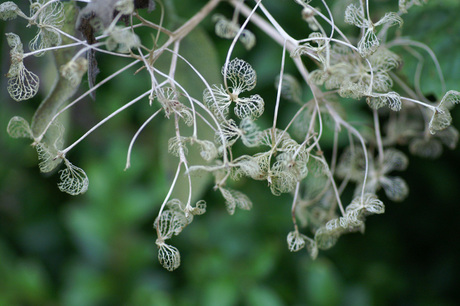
x=289 y=158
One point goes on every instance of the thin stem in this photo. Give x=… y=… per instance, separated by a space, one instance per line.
x=267 y=28
x=51 y=49
x=433 y=108
x=355 y=132
x=168 y=195
x=280 y=84
x=38 y=139
x=378 y=135
x=293 y=207
x=335 y=147
x=64 y=152
x=131 y=144
x=402 y=42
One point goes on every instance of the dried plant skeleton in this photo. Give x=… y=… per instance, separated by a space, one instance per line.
x=358 y=69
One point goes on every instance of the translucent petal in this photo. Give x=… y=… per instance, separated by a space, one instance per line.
x=47 y=158
x=317 y=166
x=251 y=135
x=326 y=239
x=384 y=60
x=317 y=38
x=382 y=82
x=228 y=29
x=217 y=100
x=234 y=198
x=290 y=88
x=394 y=160
x=440 y=120
x=351 y=164
x=241 y=76
x=312 y=248
x=263 y=163
x=17 y=49
x=170 y=222
x=393 y=100
x=246 y=165
x=282 y=182
x=18 y=127
x=230 y=133
x=368 y=44
x=404 y=5
x=270 y=137
x=73 y=179
x=22 y=83
x=208 y=149
x=333 y=225
x=252 y=107
x=390 y=19
x=352 y=90
x=169 y=257
x=449 y=137
x=395 y=188
x=369 y=202
x=295 y=241
x=200 y=208
x=248 y=39
x=9 y=10
x=45 y=38
x=355 y=16
x=296 y=164
x=304 y=49
x=176 y=145
x=176 y=205
x=49 y=15
x=318 y=76
x=428 y=148
x=451 y=98
x=169 y=100
x=353 y=219
x=48 y=149
x=376 y=102
x=224 y=28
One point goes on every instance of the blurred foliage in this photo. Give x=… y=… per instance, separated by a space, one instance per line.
x=98 y=249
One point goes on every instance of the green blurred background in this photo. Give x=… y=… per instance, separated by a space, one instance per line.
x=98 y=248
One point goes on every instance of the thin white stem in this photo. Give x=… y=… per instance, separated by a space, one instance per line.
x=403 y=42
x=88 y=46
x=433 y=108
x=280 y=84
x=267 y=28
x=131 y=144
x=171 y=188
x=38 y=139
x=51 y=49
x=335 y=147
x=64 y=152
x=378 y=135
x=293 y=207
x=355 y=132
